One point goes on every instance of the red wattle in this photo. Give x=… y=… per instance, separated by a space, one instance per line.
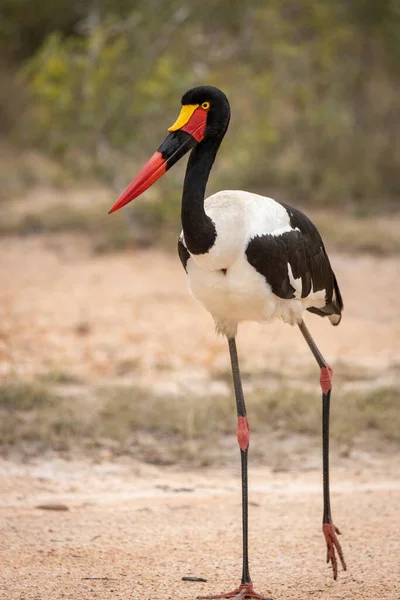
x=196 y=124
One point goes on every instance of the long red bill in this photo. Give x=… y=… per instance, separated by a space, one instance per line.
x=155 y=167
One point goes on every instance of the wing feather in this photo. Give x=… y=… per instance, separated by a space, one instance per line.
x=302 y=248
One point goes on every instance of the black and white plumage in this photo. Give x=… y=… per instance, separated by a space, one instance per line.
x=247 y=258
x=268 y=261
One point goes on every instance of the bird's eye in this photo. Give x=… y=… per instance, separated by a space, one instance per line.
x=205 y=105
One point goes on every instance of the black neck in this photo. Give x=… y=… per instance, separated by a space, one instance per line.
x=198 y=228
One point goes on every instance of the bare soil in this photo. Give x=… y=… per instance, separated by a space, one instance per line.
x=132 y=530
x=61 y=307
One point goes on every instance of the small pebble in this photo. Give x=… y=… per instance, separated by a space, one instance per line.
x=51 y=506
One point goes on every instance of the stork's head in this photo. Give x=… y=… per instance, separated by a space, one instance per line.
x=204 y=116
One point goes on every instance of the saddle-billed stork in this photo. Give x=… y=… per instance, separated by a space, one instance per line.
x=247 y=258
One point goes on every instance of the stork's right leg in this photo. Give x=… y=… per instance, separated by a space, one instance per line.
x=330 y=531
x=245 y=590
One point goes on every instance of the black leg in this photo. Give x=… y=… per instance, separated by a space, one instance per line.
x=245 y=590
x=328 y=528
x=243 y=440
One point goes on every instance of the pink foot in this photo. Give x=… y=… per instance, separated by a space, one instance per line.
x=332 y=546
x=245 y=590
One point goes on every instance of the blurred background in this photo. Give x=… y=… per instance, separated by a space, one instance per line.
x=102 y=350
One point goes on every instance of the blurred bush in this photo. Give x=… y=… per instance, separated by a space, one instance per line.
x=313 y=88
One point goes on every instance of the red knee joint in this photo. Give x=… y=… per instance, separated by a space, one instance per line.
x=326 y=379
x=243 y=433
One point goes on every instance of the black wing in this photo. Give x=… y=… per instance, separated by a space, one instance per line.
x=303 y=249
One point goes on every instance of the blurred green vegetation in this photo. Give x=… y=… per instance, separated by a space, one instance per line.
x=105 y=234
x=314 y=90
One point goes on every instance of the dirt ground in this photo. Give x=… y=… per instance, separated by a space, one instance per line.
x=132 y=530
x=64 y=308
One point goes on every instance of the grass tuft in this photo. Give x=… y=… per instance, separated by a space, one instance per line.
x=58 y=376
x=108 y=234
x=371 y=235
x=168 y=429
x=25 y=397
x=157 y=221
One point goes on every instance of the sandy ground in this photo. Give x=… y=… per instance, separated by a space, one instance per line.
x=61 y=307
x=133 y=531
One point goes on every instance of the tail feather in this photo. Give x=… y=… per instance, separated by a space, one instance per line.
x=337 y=296
x=337 y=302
x=335 y=319
x=333 y=309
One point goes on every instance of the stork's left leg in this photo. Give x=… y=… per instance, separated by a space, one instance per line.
x=328 y=528
x=245 y=590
